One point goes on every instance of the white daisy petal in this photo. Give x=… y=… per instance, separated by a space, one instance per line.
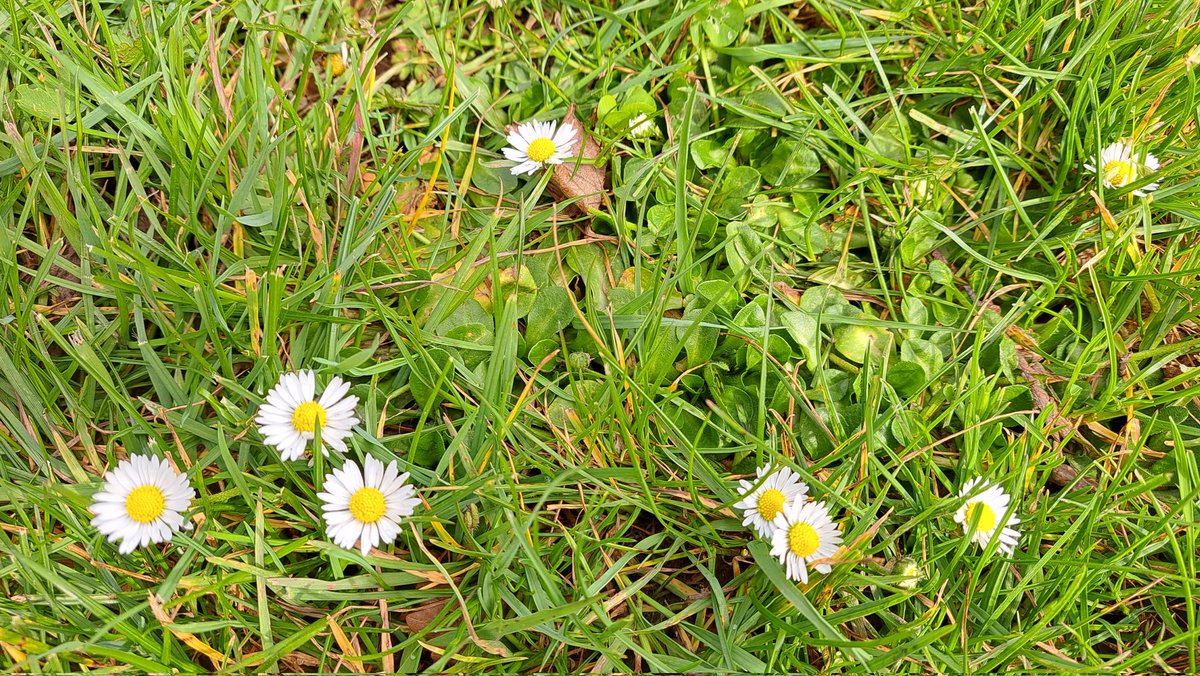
x=518 y=141
x=308 y=384
x=369 y=538
x=334 y=392
x=388 y=530
x=364 y=505
x=283 y=391
x=564 y=143
x=295 y=388
x=341 y=409
x=527 y=167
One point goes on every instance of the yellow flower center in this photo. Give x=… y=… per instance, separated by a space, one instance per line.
x=144 y=504
x=367 y=505
x=307 y=416
x=983 y=516
x=1119 y=173
x=803 y=539
x=336 y=64
x=770 y=502
x=541 y=149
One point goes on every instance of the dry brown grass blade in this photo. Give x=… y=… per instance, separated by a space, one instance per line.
x=350 y=653
x=190 y=639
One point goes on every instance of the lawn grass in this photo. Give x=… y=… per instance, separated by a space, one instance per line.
x=861 y=243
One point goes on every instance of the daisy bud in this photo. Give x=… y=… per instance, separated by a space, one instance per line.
x=908 y=568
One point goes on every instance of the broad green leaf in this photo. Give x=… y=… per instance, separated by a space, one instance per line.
x=802 y=327
x=638 y=102
x=914 y=311
x=823 y=300
x=38 y=99
x=890 y=137
x=708 y=153
x=906 y=378
x=607 y=113
x=431 y=378
x=860 y=343
x=661 y=219
x=736 y=187
x=920 y=238
x=789 y=163
x=724 y=23
x=551 y=312
x=923 y=353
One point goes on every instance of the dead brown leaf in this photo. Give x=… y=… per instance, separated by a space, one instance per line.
x=298 y=661
x=581 y=180
x=421 y=617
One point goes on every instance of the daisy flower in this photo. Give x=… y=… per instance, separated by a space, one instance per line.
x=1120 y=165
x=289 y=419
x=141 y=502
x=536 y=144
x=981 y=514
x=804 y=533
x=764 y=499
x=366 y=506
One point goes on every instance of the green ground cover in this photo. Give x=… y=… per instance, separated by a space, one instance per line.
x=857 y=240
